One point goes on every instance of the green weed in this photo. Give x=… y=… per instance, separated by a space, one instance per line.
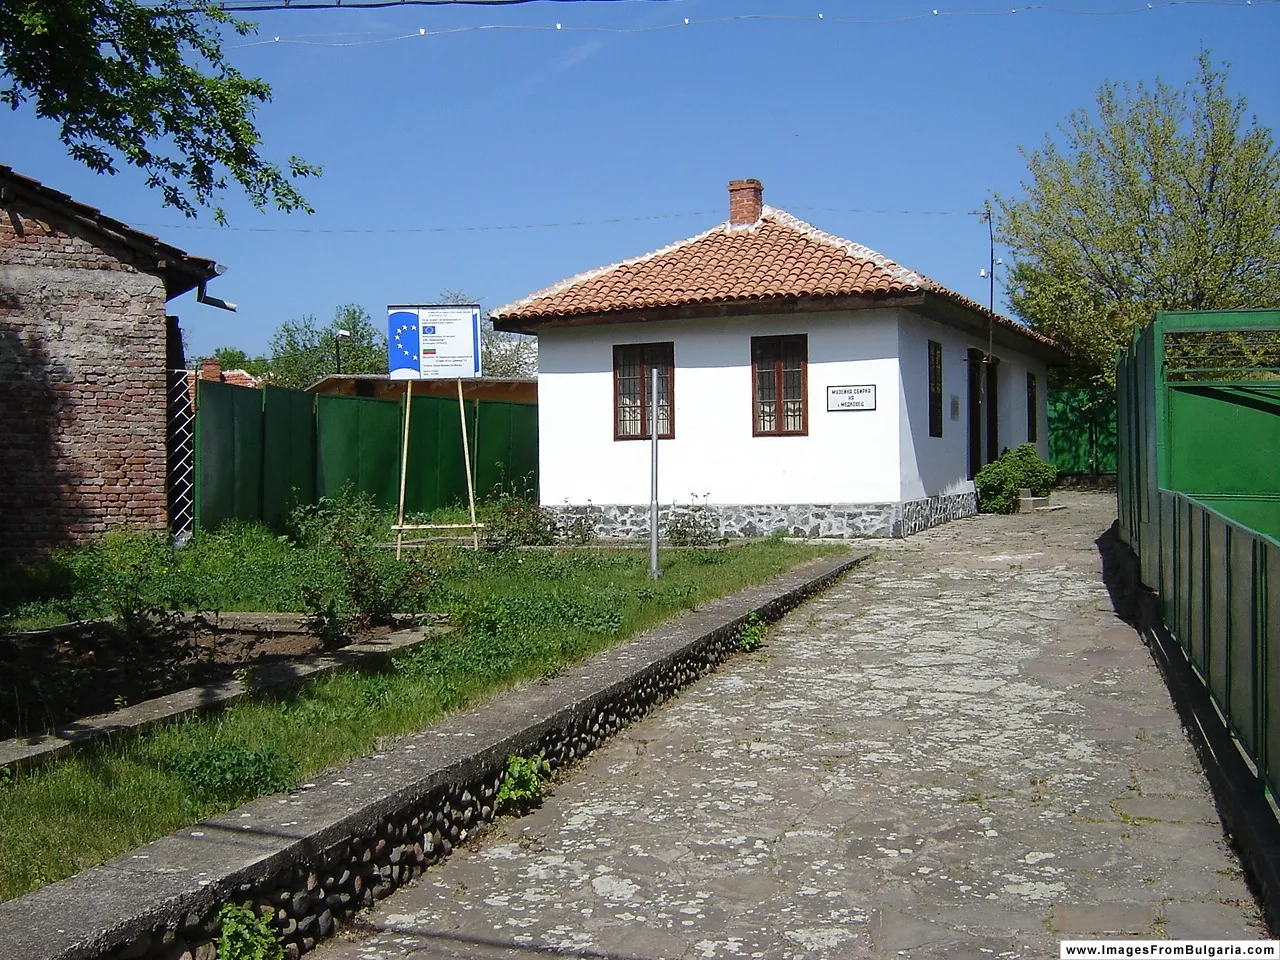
x=245 y=935
x=751 y=634
x=522 y=788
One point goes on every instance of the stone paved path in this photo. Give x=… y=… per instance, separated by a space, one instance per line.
x=959 y=750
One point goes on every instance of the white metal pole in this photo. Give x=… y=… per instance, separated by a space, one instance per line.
x=653 y=492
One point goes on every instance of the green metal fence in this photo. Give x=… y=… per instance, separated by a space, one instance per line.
x=260 y=453
x=1199 y=502
x=1082 y=431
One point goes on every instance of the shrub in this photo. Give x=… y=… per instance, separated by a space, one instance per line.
x=512 y=521
x=692 y=526
x=999 y=482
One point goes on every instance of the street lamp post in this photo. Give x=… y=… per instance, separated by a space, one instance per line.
x=338 y=337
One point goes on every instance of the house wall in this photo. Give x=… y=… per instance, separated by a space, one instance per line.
x=847 y=458
x=82 y=386
x=939 y=466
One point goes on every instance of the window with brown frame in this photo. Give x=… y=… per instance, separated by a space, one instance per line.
x=1033 y=409
x=935 y=388
x=633 y=364
x=779 y=376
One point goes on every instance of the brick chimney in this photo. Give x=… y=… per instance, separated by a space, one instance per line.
x=210 y=368
x=744 y=201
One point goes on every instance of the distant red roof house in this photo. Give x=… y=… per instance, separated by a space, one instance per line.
x=211 y=369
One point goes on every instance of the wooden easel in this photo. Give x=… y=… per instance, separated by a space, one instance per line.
x=400 y=526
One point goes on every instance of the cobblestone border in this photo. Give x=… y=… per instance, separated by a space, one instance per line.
x=312 y=858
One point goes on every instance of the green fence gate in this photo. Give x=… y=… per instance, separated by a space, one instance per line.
x=1199 y=502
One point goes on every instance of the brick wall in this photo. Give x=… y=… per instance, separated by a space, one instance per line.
x=82 y=386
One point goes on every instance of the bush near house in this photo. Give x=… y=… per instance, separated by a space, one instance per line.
x=1000 y=482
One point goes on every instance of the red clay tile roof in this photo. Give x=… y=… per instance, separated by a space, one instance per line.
x=240 y=378
x=776 y=258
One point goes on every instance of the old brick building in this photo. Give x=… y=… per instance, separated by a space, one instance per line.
x=84 y=348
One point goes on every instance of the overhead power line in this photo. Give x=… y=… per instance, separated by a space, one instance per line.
x=265 y=6
x=539 y=226
x=423 y=32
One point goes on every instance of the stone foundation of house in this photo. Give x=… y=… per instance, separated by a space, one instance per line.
x=763 y=520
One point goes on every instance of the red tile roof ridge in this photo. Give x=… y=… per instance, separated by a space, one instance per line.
x=900 y=273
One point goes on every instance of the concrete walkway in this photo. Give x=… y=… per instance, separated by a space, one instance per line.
x=959 y=750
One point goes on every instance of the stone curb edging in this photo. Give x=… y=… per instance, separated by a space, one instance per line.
x=312 y=858
x=22 y=752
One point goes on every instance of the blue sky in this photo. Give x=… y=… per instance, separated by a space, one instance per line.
x=501 y=128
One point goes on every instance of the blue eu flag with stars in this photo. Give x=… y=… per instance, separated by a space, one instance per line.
x=402 y=344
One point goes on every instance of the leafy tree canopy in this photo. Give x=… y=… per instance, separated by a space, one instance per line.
x=1163 y=198
x=303 y=352
x=146 y=85
x=501 y=354
x=233 y=358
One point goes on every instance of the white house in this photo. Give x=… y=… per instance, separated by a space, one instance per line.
x=806 y=383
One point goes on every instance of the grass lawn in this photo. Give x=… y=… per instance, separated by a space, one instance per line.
x=519 y=615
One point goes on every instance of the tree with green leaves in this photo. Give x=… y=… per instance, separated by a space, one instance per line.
x=146 y=85
x=1163 y=198
x=501 y=354
x=303 y=352
x=233 y=358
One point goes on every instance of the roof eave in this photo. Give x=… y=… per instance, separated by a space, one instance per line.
x=949 y=310
x=761 y=306
x=179 y=270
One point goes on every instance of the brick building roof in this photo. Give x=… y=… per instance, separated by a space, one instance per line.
x=180 y=270
x=759 y=257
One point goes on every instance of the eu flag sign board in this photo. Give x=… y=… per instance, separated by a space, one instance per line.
x=434 y=341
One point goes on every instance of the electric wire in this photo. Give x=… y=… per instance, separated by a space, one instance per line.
x=422 y=32
x=540 y=226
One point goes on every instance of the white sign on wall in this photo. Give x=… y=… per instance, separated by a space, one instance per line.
x=433 y=341
x=861 y=397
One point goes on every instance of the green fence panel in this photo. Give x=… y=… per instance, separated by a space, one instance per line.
x=1211 y=427
x=1217 y=547
x=493 y=446
x=1168 y=554
x=1268 y=626
x=437 y=474
x=358 y=444
x=507 y=444
x=1241 y=704
x=288 y=452
x=1198 y=593
x=1258 y=513
x=228 y=453
x=1082 y=430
